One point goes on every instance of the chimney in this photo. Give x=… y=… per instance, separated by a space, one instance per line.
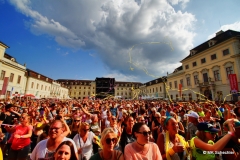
x=219 y=33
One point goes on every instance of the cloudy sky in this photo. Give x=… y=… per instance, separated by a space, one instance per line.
x=130 y=40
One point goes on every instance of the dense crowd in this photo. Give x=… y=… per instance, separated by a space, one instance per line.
x=110 y=129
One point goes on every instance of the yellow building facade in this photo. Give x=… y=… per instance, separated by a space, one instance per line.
x=25 y=81
x=13 y=70
x=204 y=72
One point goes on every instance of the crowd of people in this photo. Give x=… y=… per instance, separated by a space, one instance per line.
x=117 y=129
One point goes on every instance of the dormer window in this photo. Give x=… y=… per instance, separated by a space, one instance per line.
x=13 y=59
x=39 y=76
x=192 y=52
x=156 y=81
x=211 y=43
x=46 y=79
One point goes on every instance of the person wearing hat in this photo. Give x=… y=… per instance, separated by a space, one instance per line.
x=192 y=125
x=203 y=146
x=8 y=117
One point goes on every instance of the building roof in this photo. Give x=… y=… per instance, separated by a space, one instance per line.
x=219 y=38
x=4 y=45
x=155 y=81
x=10 y=57
x=178 y=69
x=36 y=75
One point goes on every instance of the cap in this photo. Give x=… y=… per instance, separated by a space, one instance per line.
x=193 y=114
x=128 y=105
x=204 y=126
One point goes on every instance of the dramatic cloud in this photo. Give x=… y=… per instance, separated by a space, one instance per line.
x=235 y=26
x=112 y=28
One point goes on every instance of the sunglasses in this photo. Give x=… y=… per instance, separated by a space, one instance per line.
x=212 y=133
x=145 y=133
x=76 y=120
x=22 y=117
x=113 y=119
x=109 y=140
x=157 y=117
x=85 y=130
x=54 y=128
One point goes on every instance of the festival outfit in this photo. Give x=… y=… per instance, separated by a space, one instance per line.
x=41 y=152
x=87 y=147
x=116 y=155
x=168 y=145
x=152 y=154
x=198 y=153
x=20 y=146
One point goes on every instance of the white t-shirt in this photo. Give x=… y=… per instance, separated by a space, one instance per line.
x=107 y=123
x=87 y=149
x=41 y=151
x=104 y=114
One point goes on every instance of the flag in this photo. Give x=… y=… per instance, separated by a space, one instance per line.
x=180 y=90
x=5 y=85
x=36 y=93
x=11 y=92
x=233 y=83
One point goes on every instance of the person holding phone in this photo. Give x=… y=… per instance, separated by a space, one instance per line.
x=7 y=118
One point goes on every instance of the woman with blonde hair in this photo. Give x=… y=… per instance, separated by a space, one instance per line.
x=83 y=141
x=20 y=139
x=108 y=141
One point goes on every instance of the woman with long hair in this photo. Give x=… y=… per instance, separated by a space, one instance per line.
x=127 y=136
x=172 y=145
x=142 y=148
x=74 y=126
x=65 y=151
x=109 y=139
x=20 y=139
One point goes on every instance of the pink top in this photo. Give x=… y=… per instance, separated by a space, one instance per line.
x=19 y=143
x=152 y=154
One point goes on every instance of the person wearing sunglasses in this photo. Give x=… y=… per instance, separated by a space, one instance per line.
x=74 y=126
x=142 y=148
x=47 y=147
x=20 y=139
x=204 y=140
x=109 y=139
x=84 y=140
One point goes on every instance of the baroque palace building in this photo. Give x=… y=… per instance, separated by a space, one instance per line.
x=23 y=81
x=80 y=89
x=205 y=71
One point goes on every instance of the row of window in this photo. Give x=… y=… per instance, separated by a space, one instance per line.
x=79 y=93
x=213 y=57
x=11 y=78
x=216 y=73
x=80 y=87
x=153 y=90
